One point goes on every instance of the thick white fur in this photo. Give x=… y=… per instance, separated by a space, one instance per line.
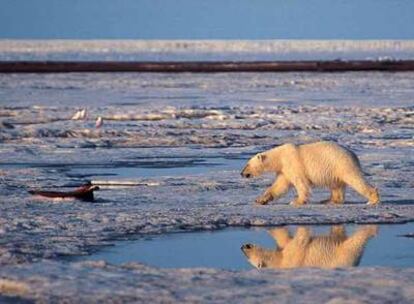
x=320 y=164
x=306 y=250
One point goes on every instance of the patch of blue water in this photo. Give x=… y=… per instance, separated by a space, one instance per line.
x=166 y=168
x=222 y=249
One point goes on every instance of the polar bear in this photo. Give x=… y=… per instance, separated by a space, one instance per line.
x=320 y=164
x=305 y=250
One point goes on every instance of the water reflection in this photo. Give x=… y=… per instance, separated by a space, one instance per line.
x=304 y=249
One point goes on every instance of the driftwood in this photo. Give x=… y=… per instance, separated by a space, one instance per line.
x=84 y=192
x=203 y=66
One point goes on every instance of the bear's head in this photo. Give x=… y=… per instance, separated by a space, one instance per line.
x=262 y=258
x=255 y=166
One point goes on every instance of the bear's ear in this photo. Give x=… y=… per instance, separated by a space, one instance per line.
x=262 y=157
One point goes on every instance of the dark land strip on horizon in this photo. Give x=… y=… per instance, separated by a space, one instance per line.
x=204 y=66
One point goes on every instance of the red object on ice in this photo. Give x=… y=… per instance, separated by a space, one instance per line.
x=84 y=192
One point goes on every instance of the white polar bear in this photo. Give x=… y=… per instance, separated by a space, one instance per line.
x=307 y=250
x=320 y=164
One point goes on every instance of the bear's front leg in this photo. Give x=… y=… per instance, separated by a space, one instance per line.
x=302 y=189
x=281 y=236
x=278 y=188
x=297 y=202
x=264 y=198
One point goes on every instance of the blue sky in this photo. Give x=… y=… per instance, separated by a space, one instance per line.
x=207 y=19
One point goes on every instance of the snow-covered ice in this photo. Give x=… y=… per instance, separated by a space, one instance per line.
x=168 y=159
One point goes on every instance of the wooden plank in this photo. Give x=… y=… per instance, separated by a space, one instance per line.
x=203 y=67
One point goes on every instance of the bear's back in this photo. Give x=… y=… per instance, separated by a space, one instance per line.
x=325 y=162
x=322 y=251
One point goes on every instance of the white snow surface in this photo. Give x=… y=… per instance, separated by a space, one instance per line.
x=168 y=157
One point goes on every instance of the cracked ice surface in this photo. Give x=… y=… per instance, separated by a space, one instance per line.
x=76 y=282
x=181 y=140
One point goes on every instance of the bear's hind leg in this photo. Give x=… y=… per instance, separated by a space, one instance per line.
x=362 y=187
x=337 y=196
x=350 y=251
x=338 y=232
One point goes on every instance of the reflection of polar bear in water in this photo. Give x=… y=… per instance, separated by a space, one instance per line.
x=321 y=164
x=304 y=250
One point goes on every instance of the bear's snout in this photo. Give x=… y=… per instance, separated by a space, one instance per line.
x=246 y=247
x=245 y=173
